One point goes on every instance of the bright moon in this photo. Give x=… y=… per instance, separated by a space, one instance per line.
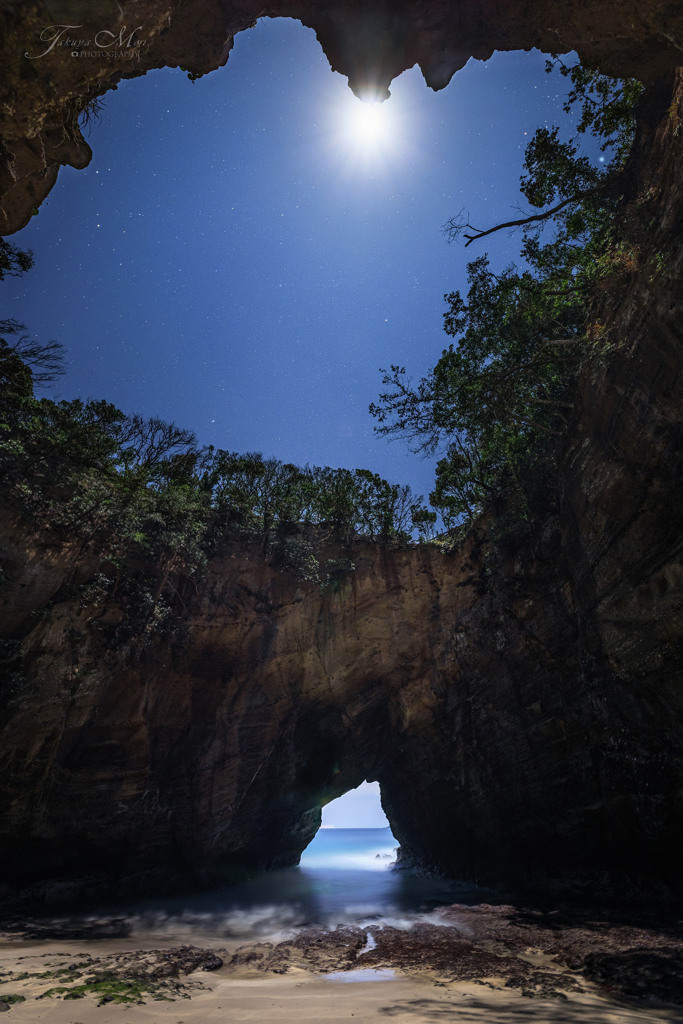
x=369 y=121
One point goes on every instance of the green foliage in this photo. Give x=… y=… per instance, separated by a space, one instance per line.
x=424 y=520
x=193 y=75
x=507 y=381
x=258 y=493
x=500 y=395
x=607 y=105
x=336 y=571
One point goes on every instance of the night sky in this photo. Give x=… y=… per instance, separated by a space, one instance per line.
x=241 y=258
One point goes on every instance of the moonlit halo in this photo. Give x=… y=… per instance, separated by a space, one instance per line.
x=368 y=121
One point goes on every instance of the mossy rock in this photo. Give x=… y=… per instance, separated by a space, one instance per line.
x=109 y=991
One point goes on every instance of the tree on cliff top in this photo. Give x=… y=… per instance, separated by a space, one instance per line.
x=93 y=446
x=152 y=505
x=499 y=397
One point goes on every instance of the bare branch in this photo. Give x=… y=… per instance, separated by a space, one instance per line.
x=452 y=229
x=46 y=360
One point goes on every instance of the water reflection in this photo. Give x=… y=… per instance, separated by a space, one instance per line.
x=346 y=876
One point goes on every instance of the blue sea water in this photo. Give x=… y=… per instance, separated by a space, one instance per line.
x=350 y=849
x=346 y=876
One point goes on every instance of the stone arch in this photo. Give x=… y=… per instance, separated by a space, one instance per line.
x=523 y=723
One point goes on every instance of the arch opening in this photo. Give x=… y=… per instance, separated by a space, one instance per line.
x=354 y=836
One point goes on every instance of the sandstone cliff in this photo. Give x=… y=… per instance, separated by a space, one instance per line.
x=519 y=698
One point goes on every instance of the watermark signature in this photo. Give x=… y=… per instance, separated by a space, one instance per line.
x=112 y=45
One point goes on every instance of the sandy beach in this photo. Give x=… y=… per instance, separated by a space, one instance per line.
x=239 y=991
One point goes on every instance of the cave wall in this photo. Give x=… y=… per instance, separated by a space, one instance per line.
x=519 y=699
x=45 y=86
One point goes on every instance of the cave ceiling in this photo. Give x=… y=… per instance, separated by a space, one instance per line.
x=57 y=56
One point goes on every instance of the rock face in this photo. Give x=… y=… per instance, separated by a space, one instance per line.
x=195 y=761
x=58 y=57
x=519 y=699
x=575 y=649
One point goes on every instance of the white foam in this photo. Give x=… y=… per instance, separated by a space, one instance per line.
x=276 y=921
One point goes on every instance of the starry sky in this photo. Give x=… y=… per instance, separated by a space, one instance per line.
x=242 y=255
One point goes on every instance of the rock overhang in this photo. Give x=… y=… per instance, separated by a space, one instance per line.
x=49 y=76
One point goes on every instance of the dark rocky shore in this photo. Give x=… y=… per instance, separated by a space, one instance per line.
x=540 y=953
